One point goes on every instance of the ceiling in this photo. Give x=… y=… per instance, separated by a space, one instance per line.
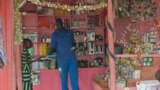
x=30 y=7
x=73 y=2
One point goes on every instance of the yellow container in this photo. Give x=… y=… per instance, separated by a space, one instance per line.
x=43 y=49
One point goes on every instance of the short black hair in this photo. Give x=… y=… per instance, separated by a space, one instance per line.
x=25 y=40
x=59 y=20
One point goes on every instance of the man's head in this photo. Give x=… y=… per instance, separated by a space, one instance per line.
x=59 y=23
x=27 y=43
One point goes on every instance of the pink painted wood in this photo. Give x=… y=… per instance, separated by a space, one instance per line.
x=50 y=80
x=111 y=47
x=17 y=50
x=137 y=55
x=7 y=75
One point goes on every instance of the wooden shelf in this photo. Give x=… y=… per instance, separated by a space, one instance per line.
x=35 y=27
x=46 y=15
x=44 y=26
x=137 y=55
x=77 y=27
x=63 y=16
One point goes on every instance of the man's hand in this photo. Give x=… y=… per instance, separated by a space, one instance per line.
x=73 y=48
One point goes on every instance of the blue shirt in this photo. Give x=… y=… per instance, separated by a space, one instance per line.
x=62 y=41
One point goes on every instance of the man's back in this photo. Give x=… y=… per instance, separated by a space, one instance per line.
x=63 y=42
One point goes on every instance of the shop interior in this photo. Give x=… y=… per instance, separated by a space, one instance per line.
x=118 y=42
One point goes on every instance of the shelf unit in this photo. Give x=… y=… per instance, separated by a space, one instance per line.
x=44 y=25
x=143 y=27
x=137 y=55
x=144 y=69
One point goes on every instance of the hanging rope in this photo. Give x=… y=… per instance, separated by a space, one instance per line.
x=110 y=27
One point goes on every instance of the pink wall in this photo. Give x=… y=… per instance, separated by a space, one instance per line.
x=7 y=76
x=50 y=80
x=120 y=26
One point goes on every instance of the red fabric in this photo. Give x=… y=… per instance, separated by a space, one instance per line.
x=50 y=79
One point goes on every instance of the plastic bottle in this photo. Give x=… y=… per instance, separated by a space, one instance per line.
x=43 y=47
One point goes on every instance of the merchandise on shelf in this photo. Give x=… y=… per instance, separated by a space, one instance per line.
x=99 y=37
x=153 y=35
x=97 y=62
x=128 y=68
x=88 y=33
x=83 y=64
x=80 y=22
x=136 y=74
x=80 y=36
x=121 y=83
x=101 y=79
x=36 y=78
x=81 y=48
x=137 y=10
x=99 y=49
x=148 y=85
x=156 y=47
x=91 y=48
x=147 y=61
x=31 y=36
x=158 y=75
x=93 y=21
x=138 y=42
x=43 y=47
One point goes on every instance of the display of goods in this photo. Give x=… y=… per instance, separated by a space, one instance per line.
x=139 y=10
x=148 y=85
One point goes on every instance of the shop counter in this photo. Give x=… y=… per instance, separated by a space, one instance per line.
x=50 y=79
x=100 y=84
x=98 y=87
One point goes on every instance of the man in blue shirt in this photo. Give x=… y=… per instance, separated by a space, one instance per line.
x=62 y=42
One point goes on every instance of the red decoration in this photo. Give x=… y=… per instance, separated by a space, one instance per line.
x=28 y=7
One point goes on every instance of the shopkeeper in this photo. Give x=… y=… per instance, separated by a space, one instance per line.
x=62 y=42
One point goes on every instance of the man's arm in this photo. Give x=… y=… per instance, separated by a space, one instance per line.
x=52 y=50
x=53 y=44
x=73 y=41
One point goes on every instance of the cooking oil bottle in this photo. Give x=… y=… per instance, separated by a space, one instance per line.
x=43 y=47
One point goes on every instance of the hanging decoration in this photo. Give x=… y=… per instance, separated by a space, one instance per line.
x=110 y=27
x=125 y=67
x=138 y=10
x=139 y=42
x=19 y=3
x=79 y=7
x=3 y=59
x=17 y=19
x=121 y=8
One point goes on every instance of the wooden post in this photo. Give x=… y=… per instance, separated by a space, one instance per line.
x=111 y=47
x=7 y=75
x=17 y=49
